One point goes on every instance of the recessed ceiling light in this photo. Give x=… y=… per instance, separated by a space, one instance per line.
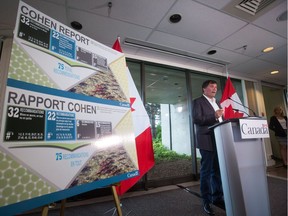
x=211 y=52
x=76 y=25
x=175 y=18
x=268 y=49
x=274 y=72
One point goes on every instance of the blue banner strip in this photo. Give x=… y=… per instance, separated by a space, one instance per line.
x=61 y=93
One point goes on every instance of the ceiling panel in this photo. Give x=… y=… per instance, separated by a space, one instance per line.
x=278 y=56
x=146 y=13
x=99 y=7
x=55 y=10
x=107 y=30
x=217 y=4
x=8 y=17
x=255 y=38
x=268 y=21
x=233 y=58
x=200 y=23
x=256 y=68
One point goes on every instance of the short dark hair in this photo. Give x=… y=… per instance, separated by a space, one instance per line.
x=207 y=82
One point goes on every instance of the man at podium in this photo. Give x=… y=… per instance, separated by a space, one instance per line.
x=207 y=112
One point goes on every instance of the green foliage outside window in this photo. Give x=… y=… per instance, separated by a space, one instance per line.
x=162 y=153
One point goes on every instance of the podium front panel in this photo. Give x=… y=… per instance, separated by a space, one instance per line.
x=243 y=172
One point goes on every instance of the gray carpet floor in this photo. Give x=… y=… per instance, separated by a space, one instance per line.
x=175 y=202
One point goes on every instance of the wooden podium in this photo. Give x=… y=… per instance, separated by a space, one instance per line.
x=242 y=165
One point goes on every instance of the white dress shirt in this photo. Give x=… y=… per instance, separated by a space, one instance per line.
x=212 y=101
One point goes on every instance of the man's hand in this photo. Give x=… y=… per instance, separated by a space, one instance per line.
x=219 y=113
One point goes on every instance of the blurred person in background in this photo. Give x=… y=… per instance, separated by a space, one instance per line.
x=278 y=124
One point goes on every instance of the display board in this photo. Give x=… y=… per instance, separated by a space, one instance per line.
x=66 y=126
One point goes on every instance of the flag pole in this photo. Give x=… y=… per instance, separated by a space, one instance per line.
x=226 y=69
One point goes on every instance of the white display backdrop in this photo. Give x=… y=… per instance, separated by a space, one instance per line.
x=66 y=125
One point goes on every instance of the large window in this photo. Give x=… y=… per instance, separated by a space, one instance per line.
x=135 y=70
x=166 y=103
x=168 y=93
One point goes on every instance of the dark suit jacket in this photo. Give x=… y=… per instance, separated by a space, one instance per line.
x=276 y=126
x=204 y=117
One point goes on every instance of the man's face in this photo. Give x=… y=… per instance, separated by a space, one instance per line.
x=210 y=90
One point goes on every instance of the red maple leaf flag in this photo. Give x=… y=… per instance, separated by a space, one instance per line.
x=232 y=107
x=142 y=131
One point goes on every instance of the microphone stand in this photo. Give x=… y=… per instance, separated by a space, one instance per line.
x=244 y=107
x=237 y=110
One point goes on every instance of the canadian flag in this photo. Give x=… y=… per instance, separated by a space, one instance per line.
x=142 y=131
x=231 y=102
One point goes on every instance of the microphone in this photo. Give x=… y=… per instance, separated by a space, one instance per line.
x=237 y=110
x=243 y=106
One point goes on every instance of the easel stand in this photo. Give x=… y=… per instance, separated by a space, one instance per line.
x=116 y=200
x=45 y=209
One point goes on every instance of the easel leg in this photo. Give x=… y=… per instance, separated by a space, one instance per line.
x=45 y=211
x=117 y=201
x=62 y=210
